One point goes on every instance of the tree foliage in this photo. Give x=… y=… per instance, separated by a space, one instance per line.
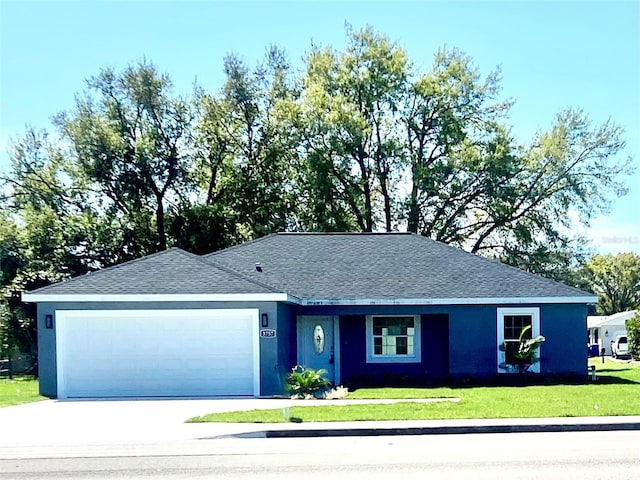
x=129 y=139
x=633 y=335
x=616 y=281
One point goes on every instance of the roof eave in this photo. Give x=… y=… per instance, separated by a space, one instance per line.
x=147 y=297
x=452 y=301
x=288 y=298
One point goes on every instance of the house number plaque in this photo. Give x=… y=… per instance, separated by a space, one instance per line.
x=267 y=333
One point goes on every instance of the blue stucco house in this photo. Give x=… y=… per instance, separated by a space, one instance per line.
x=368 y=308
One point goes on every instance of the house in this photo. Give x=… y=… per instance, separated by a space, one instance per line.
x=369 y=308
x=602 y=330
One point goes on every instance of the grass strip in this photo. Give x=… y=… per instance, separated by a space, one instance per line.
x=617 y=392
x=20 y=389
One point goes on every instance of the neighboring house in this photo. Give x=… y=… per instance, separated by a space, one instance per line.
x=602 y=330
x=368 y=308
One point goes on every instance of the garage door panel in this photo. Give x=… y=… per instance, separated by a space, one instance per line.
x=157 y=353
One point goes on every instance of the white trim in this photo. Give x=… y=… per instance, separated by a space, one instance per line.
x=534 y=312
x=256 y=352
x=417 y=343
x=336 y=349
x=285 y=297
x=61 y=391
x=61 y=325
x=450 y=301
x=232 y=297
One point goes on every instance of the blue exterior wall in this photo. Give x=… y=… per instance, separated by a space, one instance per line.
x=433 y=367
x=473 y=339
x=565 y=350
x=465 y=346
x=47 y=373
x=287 y=354
x=354 y=369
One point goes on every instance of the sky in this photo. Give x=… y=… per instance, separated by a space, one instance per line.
x=552 y=55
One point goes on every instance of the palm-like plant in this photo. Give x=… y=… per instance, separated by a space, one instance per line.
x=305 y=382
x=526 y=355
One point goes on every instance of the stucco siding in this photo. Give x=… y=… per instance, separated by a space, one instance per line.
x=565 y=330
x=433 y=365
x=47 y=381
x=468 y=340
x=286 y=349
x=472 y=341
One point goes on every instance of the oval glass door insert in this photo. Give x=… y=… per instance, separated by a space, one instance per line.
x=318 y=339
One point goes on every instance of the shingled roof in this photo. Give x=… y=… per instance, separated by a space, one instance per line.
x=171 y=272
x=315 y=268
x=381 y=266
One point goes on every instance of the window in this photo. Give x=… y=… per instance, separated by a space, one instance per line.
x=513 y=327
x=511 y=323
x=393 y=338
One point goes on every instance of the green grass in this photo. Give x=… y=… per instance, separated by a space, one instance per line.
x=21 y=389
x=616 y=392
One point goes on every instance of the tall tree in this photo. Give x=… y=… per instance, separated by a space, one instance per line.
x=456 y=147
x=130 y=138
x=260 y=188
x=47 y=233
x=351 y=128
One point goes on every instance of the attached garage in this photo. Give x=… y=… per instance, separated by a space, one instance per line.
x=157 y=353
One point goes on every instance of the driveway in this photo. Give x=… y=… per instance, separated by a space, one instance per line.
x=88 y=421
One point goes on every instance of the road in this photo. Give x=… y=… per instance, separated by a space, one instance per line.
x=522 y=456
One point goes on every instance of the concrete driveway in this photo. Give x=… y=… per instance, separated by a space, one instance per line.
x=85 y=421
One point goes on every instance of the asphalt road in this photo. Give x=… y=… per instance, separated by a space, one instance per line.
x=564 y=455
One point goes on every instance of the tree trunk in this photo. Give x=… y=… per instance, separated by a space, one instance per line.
x=413 y=215
x=162 y=235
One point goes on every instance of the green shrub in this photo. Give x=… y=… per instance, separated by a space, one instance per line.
x=305 y=382
x=633 y=335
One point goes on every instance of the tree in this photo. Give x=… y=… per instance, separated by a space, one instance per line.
x=474 y=186
x=351 y=139
x=49 y=227
x=386 y=148
x=130 y=139
x=457 y=150
x=248 y=120
x=616 y=281
x=633 y=333
x=46 y=234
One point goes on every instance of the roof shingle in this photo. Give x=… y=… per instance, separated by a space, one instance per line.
x=380 y=266
x=171 y=272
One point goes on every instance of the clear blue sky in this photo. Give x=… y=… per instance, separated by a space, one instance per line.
x=552 y=54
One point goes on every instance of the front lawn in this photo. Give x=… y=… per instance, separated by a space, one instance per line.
x=22 y=389
x=616 y=392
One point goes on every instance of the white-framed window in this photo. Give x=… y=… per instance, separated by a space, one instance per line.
x=393 y=338
x=511 y=322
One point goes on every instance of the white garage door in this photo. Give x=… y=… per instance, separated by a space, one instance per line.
x=157 y=353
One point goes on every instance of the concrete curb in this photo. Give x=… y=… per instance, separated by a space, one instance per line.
x=445 y=430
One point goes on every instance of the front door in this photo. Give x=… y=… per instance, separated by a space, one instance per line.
x=315 y=344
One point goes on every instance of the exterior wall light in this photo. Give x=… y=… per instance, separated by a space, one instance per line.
x=264 y=319
x=48 y=321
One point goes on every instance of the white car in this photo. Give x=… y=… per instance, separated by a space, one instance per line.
x=619 y=347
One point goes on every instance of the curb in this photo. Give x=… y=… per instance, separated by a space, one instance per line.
x=443 y=430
